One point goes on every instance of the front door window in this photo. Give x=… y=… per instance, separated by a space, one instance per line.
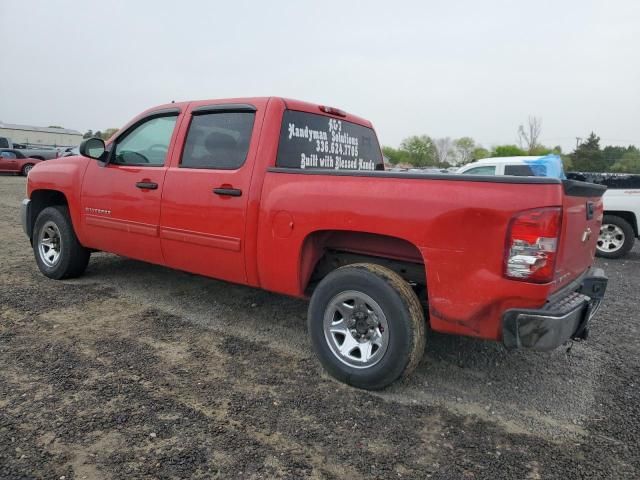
x=147 y=144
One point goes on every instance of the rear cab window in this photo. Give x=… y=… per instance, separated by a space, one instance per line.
x=313 y=141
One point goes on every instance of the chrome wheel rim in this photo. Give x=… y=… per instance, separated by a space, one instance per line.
x=611 y=238
x=27 y=169
x=356 y=329
x=49 y=244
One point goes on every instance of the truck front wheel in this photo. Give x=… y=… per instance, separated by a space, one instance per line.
x=366 y=325
x=55 y=245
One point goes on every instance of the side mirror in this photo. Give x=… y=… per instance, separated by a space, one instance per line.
x=92 y=148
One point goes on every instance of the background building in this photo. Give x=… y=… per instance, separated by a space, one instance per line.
x=49 y=137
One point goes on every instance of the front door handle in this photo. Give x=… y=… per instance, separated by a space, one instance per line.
x=229 y=192
x=147 y=185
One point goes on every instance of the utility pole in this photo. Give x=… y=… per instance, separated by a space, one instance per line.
x=578 y=140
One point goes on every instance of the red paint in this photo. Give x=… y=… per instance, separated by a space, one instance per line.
x=274 y=233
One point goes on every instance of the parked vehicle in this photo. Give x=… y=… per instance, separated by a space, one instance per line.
x=621 y=201
x=619 y=229
x=70 y=151
x=27 y=151
x=14 y=161
x=41 y=153
x=523 y=166
x=288 y=196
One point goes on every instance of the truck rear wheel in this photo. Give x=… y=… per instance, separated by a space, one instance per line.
x=366 y=325
x=616 y=237
x=55 y=245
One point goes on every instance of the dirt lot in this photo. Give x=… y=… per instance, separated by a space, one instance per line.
x=136 y=371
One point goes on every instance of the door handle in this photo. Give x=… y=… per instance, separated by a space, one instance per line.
x=229 y=192
x=147 y=185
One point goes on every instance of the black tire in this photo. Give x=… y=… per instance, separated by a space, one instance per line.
x=404 y=316
x=73 y=257
x=25 y=169
x=628 y=240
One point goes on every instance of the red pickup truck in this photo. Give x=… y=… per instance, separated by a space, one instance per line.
x=291 y=197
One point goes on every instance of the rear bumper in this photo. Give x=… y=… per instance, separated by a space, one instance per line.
x=557 y=322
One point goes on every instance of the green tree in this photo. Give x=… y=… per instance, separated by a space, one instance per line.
x=507 y=151
x=588 y=157
x=542 y=150
x=480 y=153
x=421 y=150
x=54 y=126
x=88 y=134
x=395 y=155
x=613 y=154
x=629 y=163
x=465 y=148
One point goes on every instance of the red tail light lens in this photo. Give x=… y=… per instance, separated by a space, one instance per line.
x=532 y=244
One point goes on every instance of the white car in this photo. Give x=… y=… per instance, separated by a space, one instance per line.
x=516 y=166
x=621 y=222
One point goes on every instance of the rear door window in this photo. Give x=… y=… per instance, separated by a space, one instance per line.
x=315 y=141
x=218 y=140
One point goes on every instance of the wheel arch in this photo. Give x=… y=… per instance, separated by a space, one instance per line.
x=41 y=199
x=629 y=217
x=323 y=251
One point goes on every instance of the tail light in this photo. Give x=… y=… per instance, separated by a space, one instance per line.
x=532 y=245
x=333 y=111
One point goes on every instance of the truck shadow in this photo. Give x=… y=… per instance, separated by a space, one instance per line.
x=465 y=373
x=282 y=320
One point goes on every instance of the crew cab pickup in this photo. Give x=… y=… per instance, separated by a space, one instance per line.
x=291 y=197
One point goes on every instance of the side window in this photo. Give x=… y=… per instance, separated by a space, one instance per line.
x=147 y=144
x=519 y=170
x=218 y=140
x=484 y=170
x=10 y=155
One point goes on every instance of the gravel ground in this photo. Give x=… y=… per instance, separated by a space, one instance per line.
x=137 y=371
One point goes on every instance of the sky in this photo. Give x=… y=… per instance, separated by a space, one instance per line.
x=445 y=69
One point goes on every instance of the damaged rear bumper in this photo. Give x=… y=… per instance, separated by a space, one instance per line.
x=558 y=321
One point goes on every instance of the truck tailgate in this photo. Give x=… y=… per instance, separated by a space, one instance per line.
x=582 y=216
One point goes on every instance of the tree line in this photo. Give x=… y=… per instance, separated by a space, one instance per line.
x=588 y=156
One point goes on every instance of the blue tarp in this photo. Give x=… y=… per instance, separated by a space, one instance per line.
x=547 y=166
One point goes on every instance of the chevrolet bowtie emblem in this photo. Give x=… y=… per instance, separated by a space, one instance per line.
x=586 y=235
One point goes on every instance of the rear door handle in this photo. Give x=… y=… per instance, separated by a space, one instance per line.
x=147 y=185
x=229 y=192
